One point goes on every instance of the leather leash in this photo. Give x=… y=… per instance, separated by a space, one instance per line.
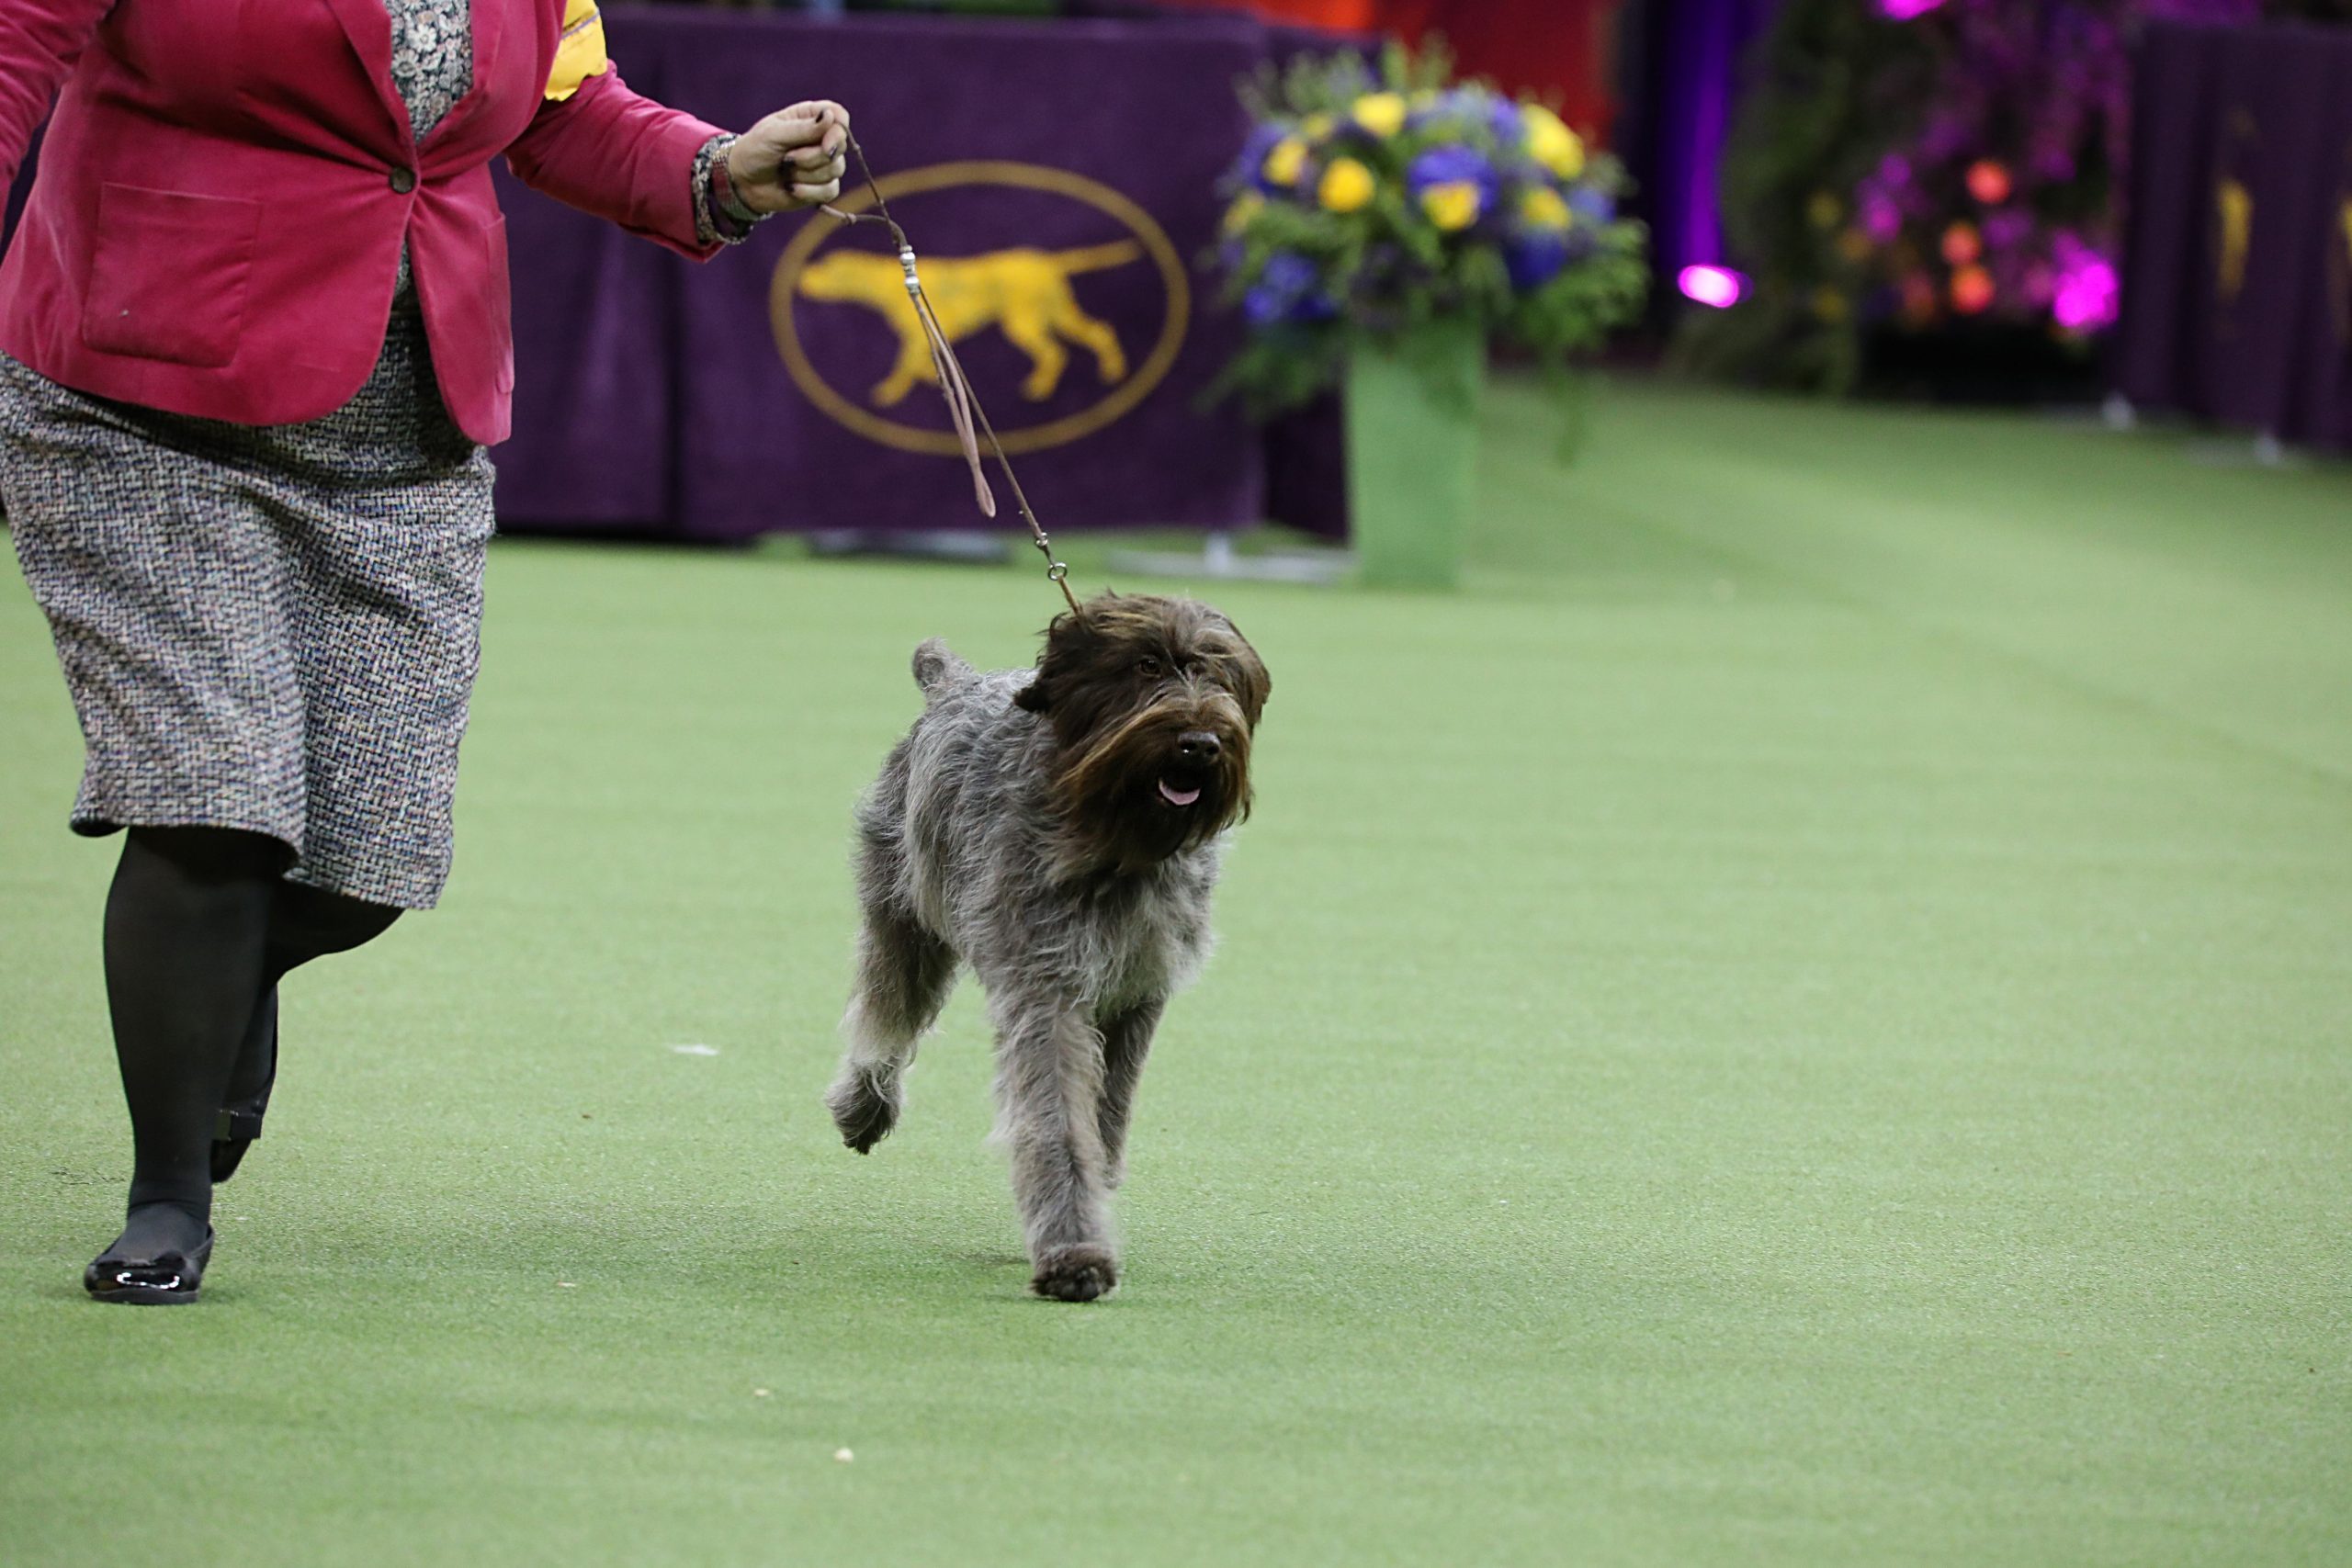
x=964 y=410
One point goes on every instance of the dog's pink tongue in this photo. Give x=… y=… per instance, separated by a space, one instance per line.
x=1175 y=796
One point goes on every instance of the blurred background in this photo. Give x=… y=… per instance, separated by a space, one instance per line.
x=2138 y=206
x=1784 y=1002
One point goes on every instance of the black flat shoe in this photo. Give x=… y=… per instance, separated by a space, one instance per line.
x=172 y=1279
x=239 y=1124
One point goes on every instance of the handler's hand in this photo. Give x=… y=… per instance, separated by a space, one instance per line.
x=791 y=159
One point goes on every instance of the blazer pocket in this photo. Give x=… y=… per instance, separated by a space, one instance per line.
x=170 y=274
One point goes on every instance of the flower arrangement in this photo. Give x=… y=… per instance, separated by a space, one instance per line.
x=1368 y=202
x=1927 y=166
x=2000 y=204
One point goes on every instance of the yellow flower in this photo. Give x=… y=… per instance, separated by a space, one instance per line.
x=1316 y=126
x=1825 y=210
x=1451 y=206
x=1855 y=246
x=1383 y=114
x=1244 y=212
x=1543 y=207
x=1286 y=161
x=1552 y=144
x=1829 y=304
x=1347 y=186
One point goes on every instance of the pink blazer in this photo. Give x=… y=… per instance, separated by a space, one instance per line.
x=217 y=222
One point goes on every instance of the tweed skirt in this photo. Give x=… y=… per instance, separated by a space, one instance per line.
x=272 y=628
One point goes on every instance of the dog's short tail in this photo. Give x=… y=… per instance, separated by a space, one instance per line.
x=937 y=667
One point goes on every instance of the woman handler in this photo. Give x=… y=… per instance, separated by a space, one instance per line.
x=254 y=340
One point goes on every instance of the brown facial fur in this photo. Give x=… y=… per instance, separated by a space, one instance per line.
x=1121 y=679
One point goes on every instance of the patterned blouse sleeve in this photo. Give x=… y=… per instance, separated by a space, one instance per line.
x=720 y=218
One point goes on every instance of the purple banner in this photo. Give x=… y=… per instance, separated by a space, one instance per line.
x=2237 y=296
x=1059 y=182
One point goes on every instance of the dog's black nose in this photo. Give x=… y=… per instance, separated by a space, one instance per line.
x=1198 y=746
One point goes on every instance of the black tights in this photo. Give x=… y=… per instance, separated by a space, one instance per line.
x=200 y=927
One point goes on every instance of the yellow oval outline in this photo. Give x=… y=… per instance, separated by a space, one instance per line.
x=1025 y=176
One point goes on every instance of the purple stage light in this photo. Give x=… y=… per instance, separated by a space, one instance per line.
x=1903 y=10
x=1718 y=287
x=2087 y=294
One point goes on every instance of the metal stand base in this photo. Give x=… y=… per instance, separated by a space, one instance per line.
x=1219 y=561
x=946 y=545
x=2264 y=451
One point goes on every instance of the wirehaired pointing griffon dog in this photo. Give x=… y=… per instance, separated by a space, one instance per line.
x=1060 y=831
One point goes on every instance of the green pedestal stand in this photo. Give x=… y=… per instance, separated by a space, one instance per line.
x=1412 y=426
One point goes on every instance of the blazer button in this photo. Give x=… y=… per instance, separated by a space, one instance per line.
x=404 y=180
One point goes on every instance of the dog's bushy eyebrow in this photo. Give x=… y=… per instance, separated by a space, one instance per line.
x=1088 y=654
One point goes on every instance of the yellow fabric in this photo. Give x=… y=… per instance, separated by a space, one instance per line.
x=579 y=52
x=2237 y=236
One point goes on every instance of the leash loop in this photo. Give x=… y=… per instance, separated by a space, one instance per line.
x=964 y=410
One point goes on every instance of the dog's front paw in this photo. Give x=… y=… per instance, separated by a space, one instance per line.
x=864 y=1107
x=1075 y=1273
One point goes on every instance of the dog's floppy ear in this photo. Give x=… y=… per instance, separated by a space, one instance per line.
x=1053 y=662
x=1245 y=674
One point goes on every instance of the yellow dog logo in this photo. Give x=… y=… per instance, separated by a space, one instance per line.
x=1130 y=340
x=1025 y=292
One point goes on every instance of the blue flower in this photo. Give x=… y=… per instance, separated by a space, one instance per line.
x=1592 y=202
x=1534 y=258
x=1288 y=273
x=1452 y=163
x=1288 y=290
x=1265 y=306
x=1456 y=185
x=1250 y=168
x=1502 y=118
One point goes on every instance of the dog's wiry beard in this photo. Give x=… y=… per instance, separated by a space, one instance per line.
x=1128 y=801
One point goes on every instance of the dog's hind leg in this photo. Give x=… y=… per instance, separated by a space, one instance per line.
x=903 y=976
x=1049 y=1090
x=1126 y=1041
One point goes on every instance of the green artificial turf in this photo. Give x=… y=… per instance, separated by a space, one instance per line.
x=1802 y=1019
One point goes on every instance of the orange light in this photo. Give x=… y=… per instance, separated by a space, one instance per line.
x=1989 y=181
x=1972 y=290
